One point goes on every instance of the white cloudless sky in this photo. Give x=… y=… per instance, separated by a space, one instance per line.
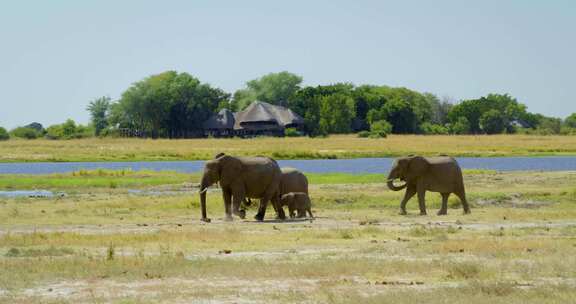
x=56 y=56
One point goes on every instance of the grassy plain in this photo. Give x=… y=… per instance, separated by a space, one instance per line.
x=103 y=243
x=336 y=146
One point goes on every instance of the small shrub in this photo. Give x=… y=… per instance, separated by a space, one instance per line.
x=381 y=127
x=346 y=234
x=433 y=129
x=68 y=130
x=364 y=134
x=110 y=252
x=291 y=132
x=3 y=134
x=462 y=126
x=465 y=270
x=378 y=134
x=23 y=132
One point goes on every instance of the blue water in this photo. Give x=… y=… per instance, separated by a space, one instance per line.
x=360 y=165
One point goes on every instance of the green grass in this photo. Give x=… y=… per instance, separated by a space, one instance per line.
x=118 y=179
x=95 y=179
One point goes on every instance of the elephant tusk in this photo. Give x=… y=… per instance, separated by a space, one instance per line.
x=202 y=191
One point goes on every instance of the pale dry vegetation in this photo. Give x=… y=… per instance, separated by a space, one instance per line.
x=107 y=245
x=335 y=146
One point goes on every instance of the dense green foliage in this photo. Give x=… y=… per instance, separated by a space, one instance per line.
x=25 y=132
x=570 y=121
x=68 y=130
x=175 y=105
x=274 y=88
x=169 y=104
x=4 y=134
x=380 y=128
x=98 y=109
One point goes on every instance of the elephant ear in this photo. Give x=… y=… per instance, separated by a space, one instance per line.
x=417 y=166
x=230 y=168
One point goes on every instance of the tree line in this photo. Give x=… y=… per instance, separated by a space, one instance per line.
x=175 y=105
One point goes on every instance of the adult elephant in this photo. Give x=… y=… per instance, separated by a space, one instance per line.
x=241 y=177
x=436 y=174
x=291 y=180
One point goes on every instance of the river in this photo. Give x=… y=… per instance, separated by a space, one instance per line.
x=357 y=166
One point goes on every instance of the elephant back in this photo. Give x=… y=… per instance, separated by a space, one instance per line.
x=293 y=180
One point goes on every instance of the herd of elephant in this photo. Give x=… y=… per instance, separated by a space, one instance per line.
x=245 y=178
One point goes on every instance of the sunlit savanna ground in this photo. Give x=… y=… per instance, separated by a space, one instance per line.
x=102 y=244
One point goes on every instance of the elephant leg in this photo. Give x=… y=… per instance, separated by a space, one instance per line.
x=421 y=198
x=279 y=209
x=236 y=201
x=227 y=195
x=410 y=191
x=291 y=212
x=301 y=213
x=444 y=209
x=462 y=196
x=310 y=213
x=261 y=210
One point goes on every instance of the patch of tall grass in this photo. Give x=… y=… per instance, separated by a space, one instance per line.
x=336 y=146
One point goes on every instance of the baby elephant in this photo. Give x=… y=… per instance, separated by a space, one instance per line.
x=297 y=201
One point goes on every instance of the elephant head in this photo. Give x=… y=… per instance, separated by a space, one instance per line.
x=406 y=169
x=222 y=169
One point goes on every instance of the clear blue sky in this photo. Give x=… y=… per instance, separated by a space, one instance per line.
x=56 y=56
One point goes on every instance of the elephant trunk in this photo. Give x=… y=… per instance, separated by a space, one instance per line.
x=390 y=182
x=203 y=188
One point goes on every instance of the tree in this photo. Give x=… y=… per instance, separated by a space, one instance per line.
x=99 y=109
x=273 y=88
x=401 y=115
x=168 y=104
x=4 y=134
x=510 y=110
x=549 y=125
x=461 y=126
x=308 y=102
x=570 y=121
x=492 y=122
x=336 y=113
x=439 y=109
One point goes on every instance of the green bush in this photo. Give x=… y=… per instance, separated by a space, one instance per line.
x=292 y=132
x=23 y=132
x=462 y=126
x=68 y=130
x=378 y=134
x=428 y=128
x=381 y=126
x=3 y=134
x=364 y=134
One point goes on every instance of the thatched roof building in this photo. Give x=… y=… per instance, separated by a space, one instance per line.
x=259 y=118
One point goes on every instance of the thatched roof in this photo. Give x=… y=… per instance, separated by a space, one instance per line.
x=262 y=115
x=257 y=116
x=223 y=120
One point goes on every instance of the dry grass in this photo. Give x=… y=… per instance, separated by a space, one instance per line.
x=337 y=146
x=105 y=245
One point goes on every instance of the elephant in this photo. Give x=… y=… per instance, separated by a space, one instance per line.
x=297 y=201
x=241 y=177
x=292 y=180
x=436 y=174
